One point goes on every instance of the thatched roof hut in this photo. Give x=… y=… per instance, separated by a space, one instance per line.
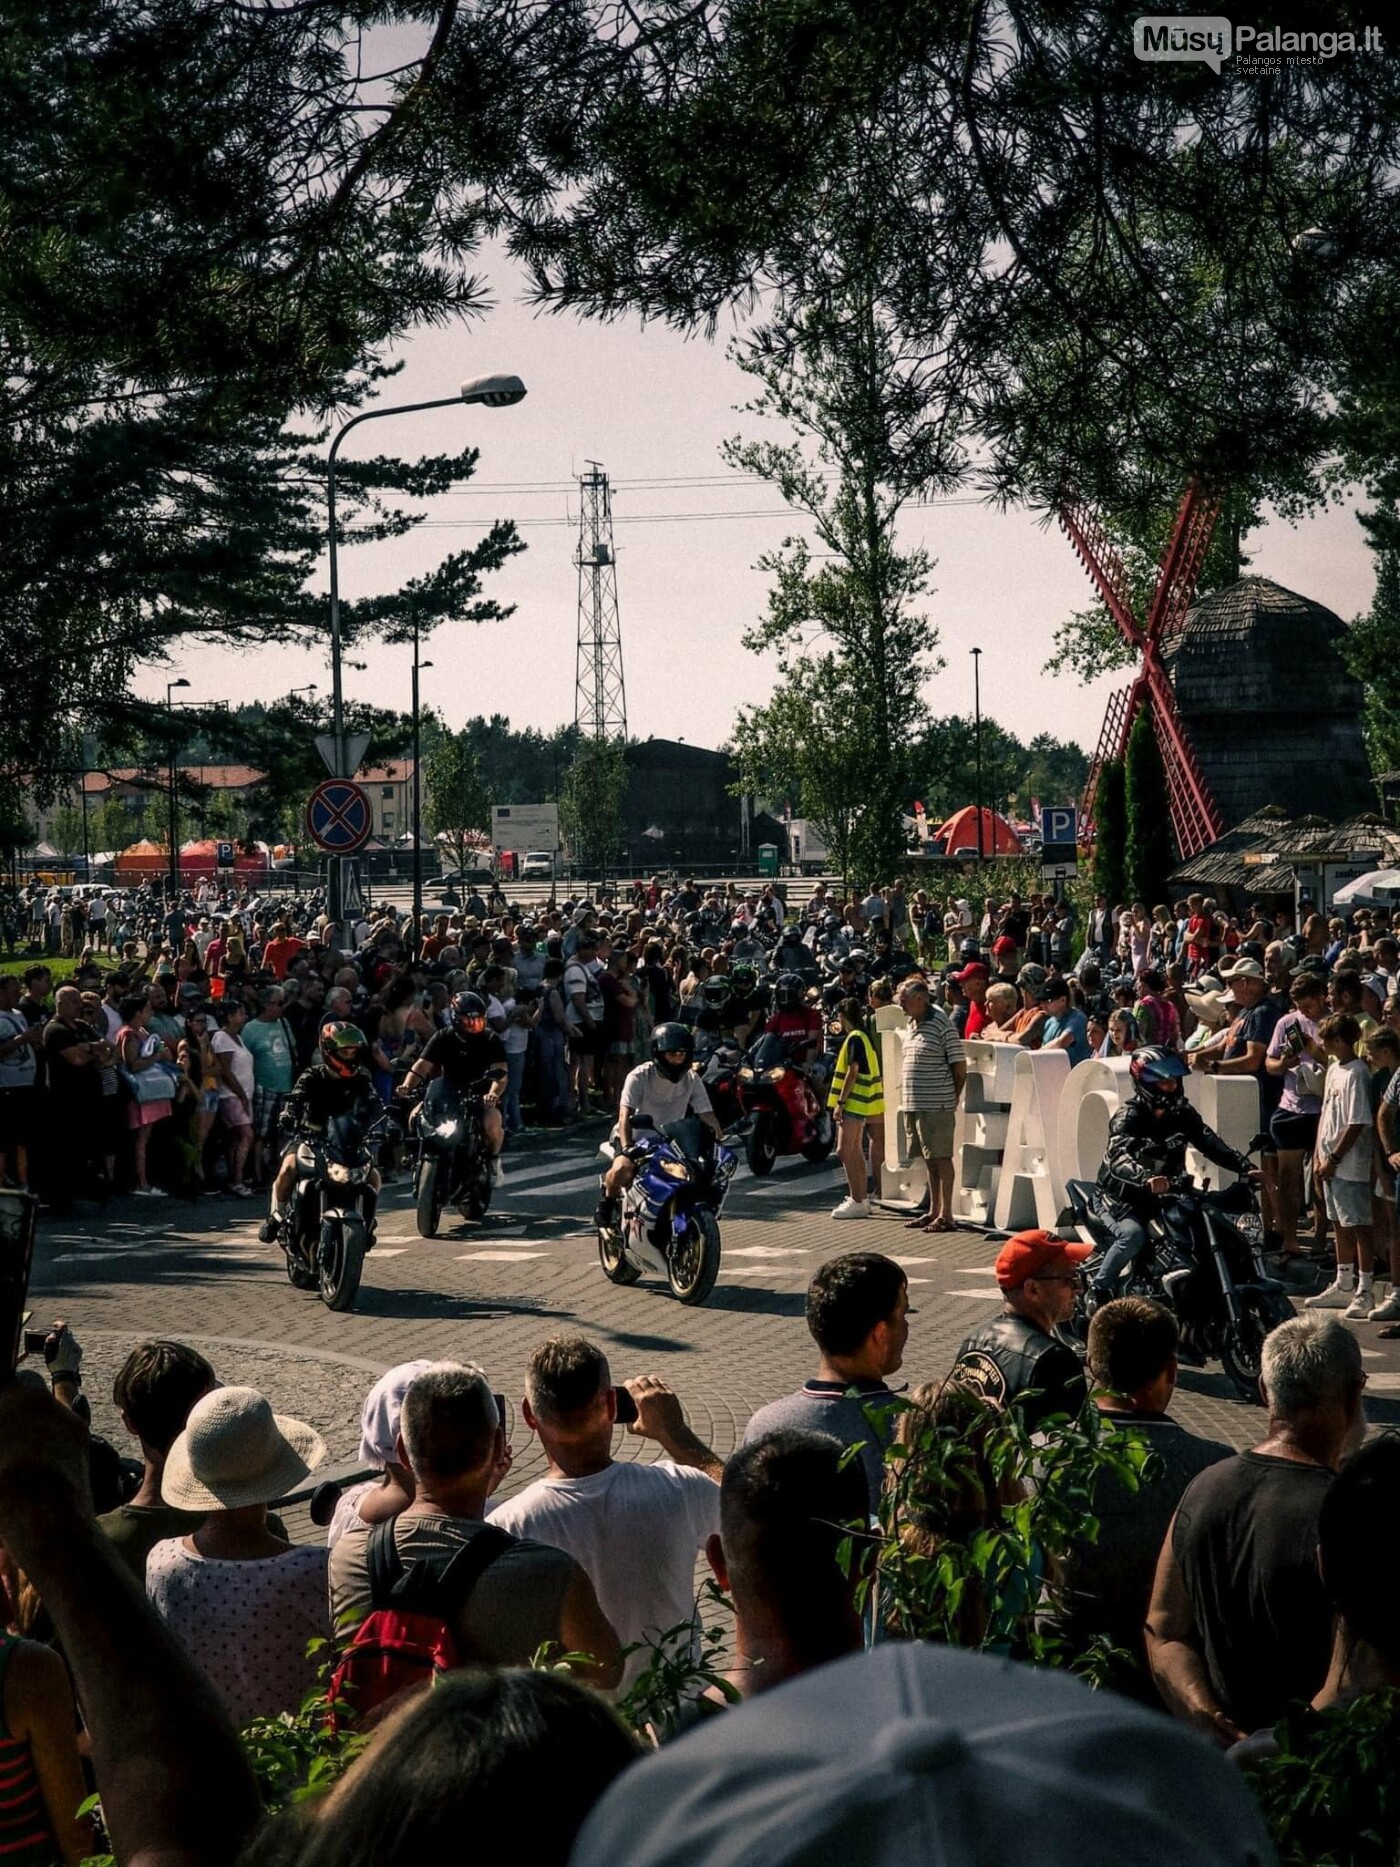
x=1263 y=857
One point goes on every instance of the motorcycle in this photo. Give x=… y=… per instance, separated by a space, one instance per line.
x=453 y=1166
x=669 y=1224
x=784 y=1112
x=1202 y=1267
x=717 y=1060
x=327 y=1232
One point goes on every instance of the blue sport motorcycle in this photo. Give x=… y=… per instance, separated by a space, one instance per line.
x=669 y=1222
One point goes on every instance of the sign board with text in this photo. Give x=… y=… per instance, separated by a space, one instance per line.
x=523 y=827
x=1059 y=842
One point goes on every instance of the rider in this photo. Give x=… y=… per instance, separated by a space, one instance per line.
x=796 y=1018
x=664 y=1090
x=1147 y=1142
x=464 y=1053
x=336 y=1083
x=746 y=1005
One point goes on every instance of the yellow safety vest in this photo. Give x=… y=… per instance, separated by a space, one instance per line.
x=867 y=1098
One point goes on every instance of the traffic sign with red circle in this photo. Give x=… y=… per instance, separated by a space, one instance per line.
x=338 y=817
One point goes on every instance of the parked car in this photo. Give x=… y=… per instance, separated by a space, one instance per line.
x=537 y=866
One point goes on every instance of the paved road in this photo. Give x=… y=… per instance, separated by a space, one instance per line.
x=489 y=1292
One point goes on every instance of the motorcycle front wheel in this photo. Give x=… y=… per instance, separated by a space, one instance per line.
x=692 y=1264
x=341 y=1260
x=617 y=1266
x=1241 y=1353
x=760 y=1149
x=429 y=1196
x=476 y=1202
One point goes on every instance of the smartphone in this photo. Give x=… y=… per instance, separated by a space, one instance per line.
x=17 y=1220
x=501 y=1413
x=626 y=1407
x=34 y=1340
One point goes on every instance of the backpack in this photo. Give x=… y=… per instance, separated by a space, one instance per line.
x=406 y=1640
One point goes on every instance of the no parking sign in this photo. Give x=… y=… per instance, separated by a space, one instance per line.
x=338 y=817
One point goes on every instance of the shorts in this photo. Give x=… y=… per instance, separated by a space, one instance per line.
x=233 y=1112
x=1348 y=1202
x=928 y=1133
x=1294 y=1132
x=267 y=1106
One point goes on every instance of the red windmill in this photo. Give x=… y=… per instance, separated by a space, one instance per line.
x=1196 y=819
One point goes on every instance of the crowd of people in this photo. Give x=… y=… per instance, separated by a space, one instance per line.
x=155 y=1604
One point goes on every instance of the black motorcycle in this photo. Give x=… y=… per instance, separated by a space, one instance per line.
x=327 y=1233
x=717 y=1060
x=1199 y=1263
x=454 y=1163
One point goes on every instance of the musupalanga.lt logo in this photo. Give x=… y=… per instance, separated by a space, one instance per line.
x=1209 y=39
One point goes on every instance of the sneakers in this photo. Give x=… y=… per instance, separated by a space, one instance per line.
x=607 y=1214
x=240 y=1191
x=1360 y=1307
x=1335 y=1296
x=269 y=1229
x=852 y=1209
x=1389 y=1311
x=498 y=1171
x=149 y=1192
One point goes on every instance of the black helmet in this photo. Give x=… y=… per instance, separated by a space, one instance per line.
x=469 y=1013
x=831 y=923
x=1157 y=1074
x=715 y=990
x=789 y=993
x=671 y=1037
x=858 y=957
x=343 y=1047
x=744 y=976
x=969 y=949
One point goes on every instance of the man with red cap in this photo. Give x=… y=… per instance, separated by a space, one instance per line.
x=1021 y=1349
x=973 y=980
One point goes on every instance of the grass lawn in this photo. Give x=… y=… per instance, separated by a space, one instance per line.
x=60 y=968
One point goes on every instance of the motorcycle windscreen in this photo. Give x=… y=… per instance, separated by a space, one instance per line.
x=345 y=1139
x=690 y=1135
x=442 y=1100
x=771 y=1050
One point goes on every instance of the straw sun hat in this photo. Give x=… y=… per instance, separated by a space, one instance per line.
x=236 y=1451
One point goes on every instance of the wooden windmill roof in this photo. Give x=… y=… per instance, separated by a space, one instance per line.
x=1260 y=854
x=1238 y=608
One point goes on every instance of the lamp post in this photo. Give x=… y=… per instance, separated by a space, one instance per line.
x=977 y=744
x=417 y=798
x=170 y=687
x=489 y=392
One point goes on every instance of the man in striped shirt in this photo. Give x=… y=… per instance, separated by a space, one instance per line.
x=933 y=1076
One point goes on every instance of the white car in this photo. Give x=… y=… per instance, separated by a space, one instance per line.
x=537 y=866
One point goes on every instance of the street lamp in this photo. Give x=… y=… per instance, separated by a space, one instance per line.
x=490 y=392
x=170 y=687
x=977 y=744
x=417 y=800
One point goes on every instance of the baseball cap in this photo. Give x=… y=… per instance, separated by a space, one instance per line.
x=1003 y=944
x=917 y=1752
x=1031 y=1254
x=1033 y=976
x=1376 y=982
x=973 y=970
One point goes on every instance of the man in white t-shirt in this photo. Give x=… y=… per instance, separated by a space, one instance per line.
x=637 y=1530
x=1342 y=1167
x=664 y=1090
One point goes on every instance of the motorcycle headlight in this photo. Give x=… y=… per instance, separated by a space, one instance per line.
x=338 y=1173
x=776 y=1076
x=746 y=1074
x=446 y=1129
x=674 y=1169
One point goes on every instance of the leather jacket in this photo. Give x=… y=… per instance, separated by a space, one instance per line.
x=1010 y=1355
x=1144 y=1142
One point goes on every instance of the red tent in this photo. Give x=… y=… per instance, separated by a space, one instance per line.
x=959 y=832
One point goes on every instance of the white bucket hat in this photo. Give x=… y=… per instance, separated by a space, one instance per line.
x=236 y=1451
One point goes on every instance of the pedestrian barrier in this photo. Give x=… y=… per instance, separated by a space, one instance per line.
x=1027 y=1123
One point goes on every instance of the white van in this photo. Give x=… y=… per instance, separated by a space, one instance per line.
x=537 y=866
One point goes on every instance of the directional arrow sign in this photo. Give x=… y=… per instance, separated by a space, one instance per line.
x=338 y=817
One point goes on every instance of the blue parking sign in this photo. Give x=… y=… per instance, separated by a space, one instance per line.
x=1059 y=824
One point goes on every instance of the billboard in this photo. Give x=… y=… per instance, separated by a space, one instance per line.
x=522 y=827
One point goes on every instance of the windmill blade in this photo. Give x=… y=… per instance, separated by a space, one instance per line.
x=1122 y=710
x=1098 y=554
x=1196 y=818
x=1181 y=567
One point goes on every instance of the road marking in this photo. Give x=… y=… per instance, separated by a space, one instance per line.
x=1384 y=1383
x=769 y=1251
x=499 y=1257
x=987 y=1296
x=817 y=1184
x=389 y=1251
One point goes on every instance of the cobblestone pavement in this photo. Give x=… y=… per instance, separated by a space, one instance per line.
x=489 y=1292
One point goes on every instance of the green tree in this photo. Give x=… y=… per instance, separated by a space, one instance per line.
x=458 y=801
x=837 y=372
x=808 y=744
x=1111 y=834
x=1372 y=647
x=1149 y=855
x=66 y=832
x=590 y=807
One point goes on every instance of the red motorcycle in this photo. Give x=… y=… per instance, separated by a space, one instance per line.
x=781 y=1100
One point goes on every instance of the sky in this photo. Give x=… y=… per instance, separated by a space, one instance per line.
x=652 y=407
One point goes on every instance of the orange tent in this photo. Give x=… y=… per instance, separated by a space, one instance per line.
x=960 y=832
x=144 y=858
